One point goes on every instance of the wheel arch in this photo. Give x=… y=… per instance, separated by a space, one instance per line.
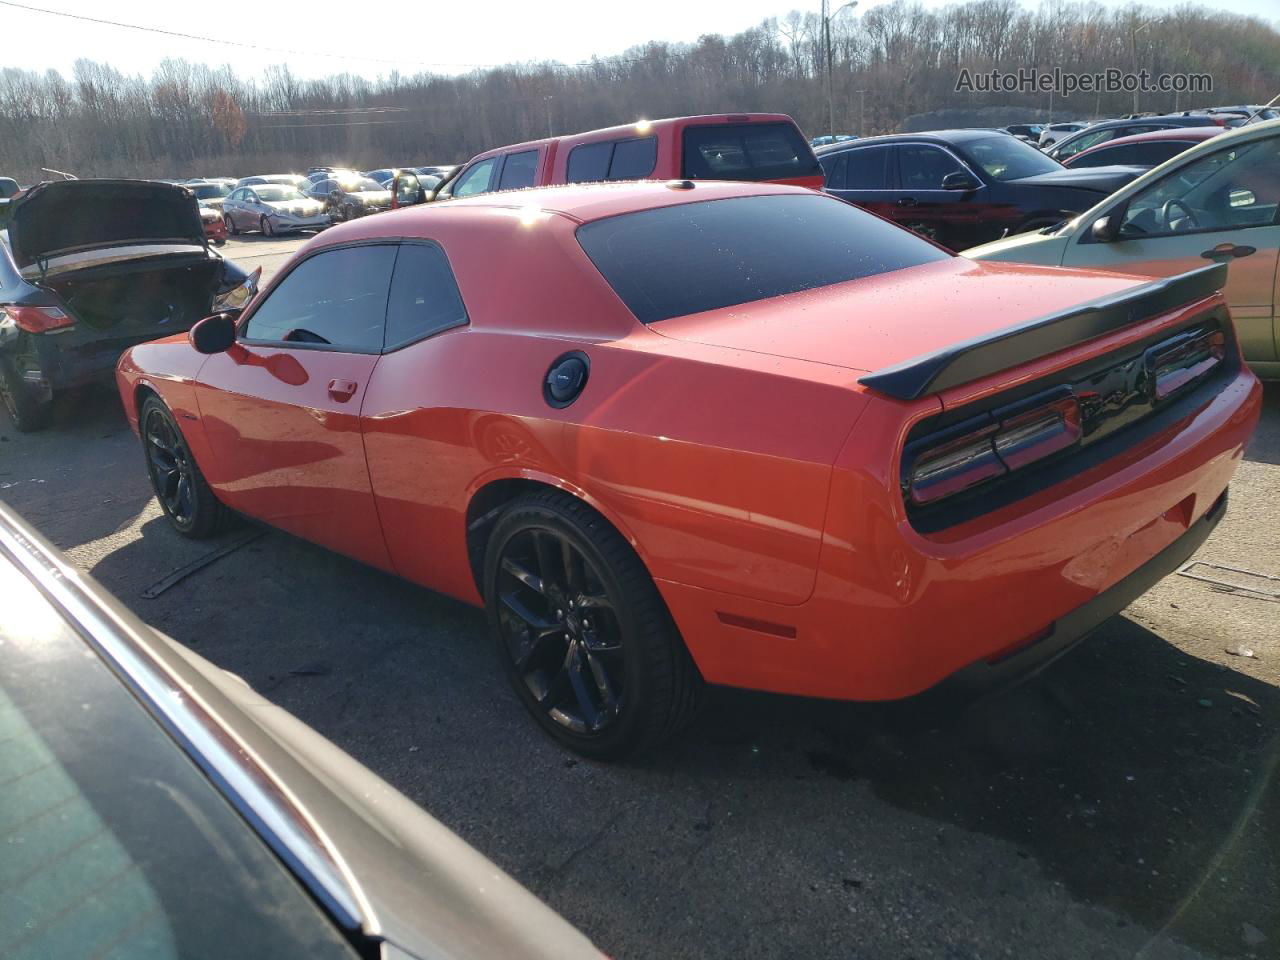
x=491 y=495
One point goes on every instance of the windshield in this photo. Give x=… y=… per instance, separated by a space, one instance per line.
x=362 y=186
x=270 y=193
x=1008 y=158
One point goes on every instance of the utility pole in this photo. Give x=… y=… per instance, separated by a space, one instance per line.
x=548 y=99
x=1133 y=46
x=862 y=113
x=826 y=37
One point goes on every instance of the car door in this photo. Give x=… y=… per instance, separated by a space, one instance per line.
x=231 y=207
x=1219 y=206
x=480 y=178
x=947 y=216
x=281 y=408
x=418 y=441
x=864 y=176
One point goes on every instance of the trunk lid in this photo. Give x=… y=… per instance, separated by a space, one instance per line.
x=70 y=216
x=1098 y=179
x=881 y=321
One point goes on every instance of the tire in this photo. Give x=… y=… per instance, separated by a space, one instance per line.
x=199 y=515
x=220 y=242
x=654 y=685
x=232 y=229
x=265 y=225
x=28 y=412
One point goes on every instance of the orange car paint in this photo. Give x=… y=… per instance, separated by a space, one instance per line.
x=756 y=479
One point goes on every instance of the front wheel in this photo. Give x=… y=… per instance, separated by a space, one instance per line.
x=232 y=229
x=581 y=630
x=267 y=229
x=179 y=485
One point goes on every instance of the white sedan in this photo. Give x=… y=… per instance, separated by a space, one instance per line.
x=272 y=209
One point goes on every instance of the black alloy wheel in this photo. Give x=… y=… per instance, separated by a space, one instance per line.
x=583 y=633
x=179 y=485
x=27 y=410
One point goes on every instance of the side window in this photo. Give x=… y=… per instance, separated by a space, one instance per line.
x=833 y=170
x=1156 y=152
x=1231 y=189
x=634 y=159
x=922 y=167
x=589 y=162
x=337 y=298
x=477 y=179
x=1106 y=156
x=518 y=172
x=867 y=169
x=424 y=296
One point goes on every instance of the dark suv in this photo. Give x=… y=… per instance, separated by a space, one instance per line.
x=963 y=187
x=91 y=267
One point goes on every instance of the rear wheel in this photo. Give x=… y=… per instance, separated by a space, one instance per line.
x=582 y=632
x=179 y=485
x=26 y=409
x=231 y=225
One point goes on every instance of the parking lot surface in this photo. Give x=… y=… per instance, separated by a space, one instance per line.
x=1121 y=804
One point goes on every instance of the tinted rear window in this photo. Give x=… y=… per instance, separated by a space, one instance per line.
x=747 y=151
x=693 y=257
x=613 y=160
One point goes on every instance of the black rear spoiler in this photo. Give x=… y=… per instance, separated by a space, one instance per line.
x=973 y=359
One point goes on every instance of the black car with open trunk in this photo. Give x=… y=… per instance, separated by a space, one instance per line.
x=88 y=269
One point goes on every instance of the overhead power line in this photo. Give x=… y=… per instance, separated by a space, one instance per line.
x=307 y=53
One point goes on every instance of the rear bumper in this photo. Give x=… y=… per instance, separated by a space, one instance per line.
x=895 y=612
x=987 y=676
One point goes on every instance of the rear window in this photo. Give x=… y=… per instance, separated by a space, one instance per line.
x=693 y=257
x=747 y=151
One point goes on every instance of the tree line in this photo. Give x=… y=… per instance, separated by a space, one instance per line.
x=893 y=61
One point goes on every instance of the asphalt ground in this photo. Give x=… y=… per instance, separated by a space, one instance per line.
x=1121 y=804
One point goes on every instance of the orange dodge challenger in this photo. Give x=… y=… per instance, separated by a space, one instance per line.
x=744 y=434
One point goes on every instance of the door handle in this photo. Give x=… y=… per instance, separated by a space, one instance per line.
x=342 y=390
x=906 y=201
x=1227 y=250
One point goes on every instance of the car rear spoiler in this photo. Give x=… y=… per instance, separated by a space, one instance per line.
x=973 y=359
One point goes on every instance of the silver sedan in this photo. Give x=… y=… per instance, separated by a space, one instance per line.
x=272 y=209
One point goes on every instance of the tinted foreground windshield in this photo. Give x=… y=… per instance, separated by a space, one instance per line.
x=702 y=256
x=114 y=845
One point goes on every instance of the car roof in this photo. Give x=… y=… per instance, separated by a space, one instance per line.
x=963 y=135
x=640 y=128
x=1166 y=133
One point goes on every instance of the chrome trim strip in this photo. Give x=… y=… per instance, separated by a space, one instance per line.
x=264 y=801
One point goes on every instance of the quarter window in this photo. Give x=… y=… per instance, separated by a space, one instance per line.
x=518 y=171
x=424 y=296
x=612 y=160
x=336 y=299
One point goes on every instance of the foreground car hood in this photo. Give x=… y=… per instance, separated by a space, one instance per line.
x=874 y=323
x=70 y=215
x=1098 y=179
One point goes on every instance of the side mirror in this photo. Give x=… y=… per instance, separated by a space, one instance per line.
x=959 y=181
x=1106 y=229
x=215 y=334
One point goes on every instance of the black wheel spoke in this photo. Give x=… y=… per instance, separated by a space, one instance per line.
x=570 y=568
x=525 y=576
x=543 y=551
x=574 y=667
x=607 y=698
x=530 y=619
x=594 y=601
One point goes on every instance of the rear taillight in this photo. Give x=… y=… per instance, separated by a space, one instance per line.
x=1176 y=365
x=994 y=449
x=37 y=319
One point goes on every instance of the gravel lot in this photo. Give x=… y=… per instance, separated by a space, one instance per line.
x=1122 y=804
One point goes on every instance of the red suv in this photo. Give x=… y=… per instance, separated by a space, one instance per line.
x=742 y=146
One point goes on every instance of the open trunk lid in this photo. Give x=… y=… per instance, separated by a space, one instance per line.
x=71 y=216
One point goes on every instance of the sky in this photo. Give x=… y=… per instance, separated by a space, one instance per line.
x=327 y=37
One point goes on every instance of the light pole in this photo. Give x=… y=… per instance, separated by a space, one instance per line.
x=862 y=113
x=1133 y=44
x=826 y=32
